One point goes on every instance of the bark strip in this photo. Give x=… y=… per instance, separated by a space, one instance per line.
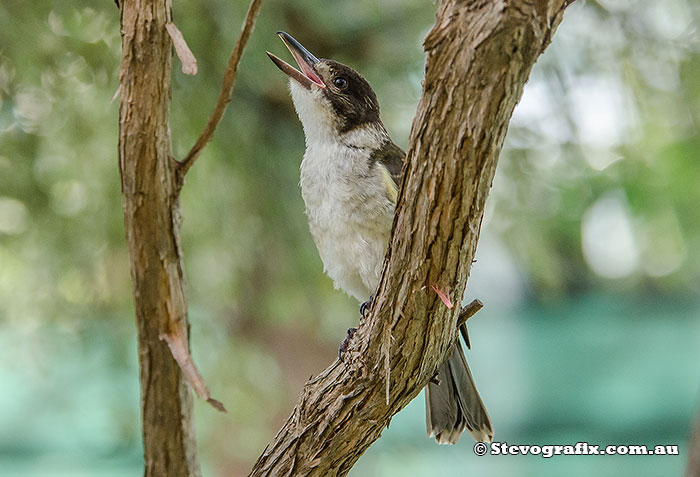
x=187 y=59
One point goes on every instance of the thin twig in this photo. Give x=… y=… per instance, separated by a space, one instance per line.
x=464 y=314
x=469 y=311
x=226 y=88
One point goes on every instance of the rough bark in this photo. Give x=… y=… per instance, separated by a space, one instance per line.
x=151 y=182
x=479 y=56
x=151 y=222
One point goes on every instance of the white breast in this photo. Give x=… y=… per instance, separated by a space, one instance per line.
x=349 y=214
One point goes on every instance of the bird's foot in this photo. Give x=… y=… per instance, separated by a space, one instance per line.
x=365 y=307
x=346 y=343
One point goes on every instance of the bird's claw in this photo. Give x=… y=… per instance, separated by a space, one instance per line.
x=346 y=343
x=364 y=312
x=365 y=307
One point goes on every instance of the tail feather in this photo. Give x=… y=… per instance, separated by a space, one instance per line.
x=453 y=404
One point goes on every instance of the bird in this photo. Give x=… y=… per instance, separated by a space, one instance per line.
x=349 y=178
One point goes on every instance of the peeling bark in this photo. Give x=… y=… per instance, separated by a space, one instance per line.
x=479 y=56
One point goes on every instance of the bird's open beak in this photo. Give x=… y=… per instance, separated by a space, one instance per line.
x=306 y=61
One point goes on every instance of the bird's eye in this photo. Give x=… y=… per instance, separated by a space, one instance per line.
x=340 y=82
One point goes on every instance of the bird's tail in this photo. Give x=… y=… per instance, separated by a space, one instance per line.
x=453 y=404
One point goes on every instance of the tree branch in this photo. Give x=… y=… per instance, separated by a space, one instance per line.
x=226 y=90
x=479 y=57
x=151 y=221
x=151 y=182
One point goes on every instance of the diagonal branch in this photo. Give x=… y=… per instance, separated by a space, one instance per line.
x=479 y=56
x=226 y=90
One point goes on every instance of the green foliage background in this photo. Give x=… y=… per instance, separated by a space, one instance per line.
x=588 y=262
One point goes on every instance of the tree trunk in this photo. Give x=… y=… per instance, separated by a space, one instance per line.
x=151 y=219
x=151 y=182
x=480 y=54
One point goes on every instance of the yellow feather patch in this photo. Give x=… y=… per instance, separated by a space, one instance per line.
x=392 y=190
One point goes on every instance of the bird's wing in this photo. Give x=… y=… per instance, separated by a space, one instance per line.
x=390 y=157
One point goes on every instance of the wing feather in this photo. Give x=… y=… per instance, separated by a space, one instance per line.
x=390 y=158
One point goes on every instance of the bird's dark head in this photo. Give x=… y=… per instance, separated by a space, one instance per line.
x=330 y=97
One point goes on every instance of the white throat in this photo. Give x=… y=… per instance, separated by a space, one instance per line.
x=315 y=113
x=321 y=125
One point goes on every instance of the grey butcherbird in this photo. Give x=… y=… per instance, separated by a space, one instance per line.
x=349 y=178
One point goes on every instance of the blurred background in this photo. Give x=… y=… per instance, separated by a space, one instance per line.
x=588 y=263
